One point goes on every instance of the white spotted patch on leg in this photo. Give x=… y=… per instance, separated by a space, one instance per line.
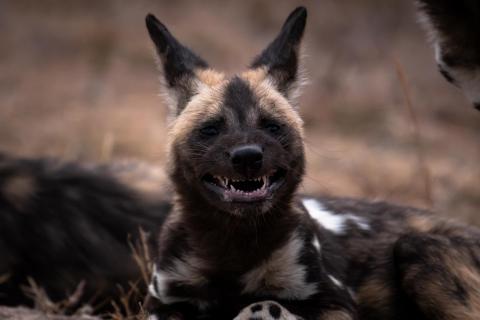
x=266 y=310
x=330 y=221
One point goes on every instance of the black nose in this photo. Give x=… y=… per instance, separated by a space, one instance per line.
x=247 y=158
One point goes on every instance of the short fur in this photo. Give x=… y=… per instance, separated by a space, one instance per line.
x=454 y=28
x=224 y=254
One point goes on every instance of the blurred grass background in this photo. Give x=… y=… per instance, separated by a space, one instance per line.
x=78 y=81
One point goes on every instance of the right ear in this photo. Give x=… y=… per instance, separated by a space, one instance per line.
x=281 y=58
x=179 y=65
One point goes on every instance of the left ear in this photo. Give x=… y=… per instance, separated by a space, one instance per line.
x=281 y=57
x=180 y=65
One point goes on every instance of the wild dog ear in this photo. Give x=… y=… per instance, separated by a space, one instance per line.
x=281 y=57
x=178 y=64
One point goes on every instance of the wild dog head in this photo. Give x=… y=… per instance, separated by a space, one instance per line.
x=454 y=27
x=235 y=143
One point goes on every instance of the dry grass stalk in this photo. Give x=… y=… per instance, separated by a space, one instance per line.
x=136 y=292
x=417 y=132
x=142 y=256
x=43 y=302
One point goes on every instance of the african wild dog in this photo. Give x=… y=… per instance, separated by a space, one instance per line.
x=64 y=224
x=454 y=28
x=239 y=244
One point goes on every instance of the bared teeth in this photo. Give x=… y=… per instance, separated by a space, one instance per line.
x=228 y=183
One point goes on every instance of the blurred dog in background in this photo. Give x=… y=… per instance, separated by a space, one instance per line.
x=454 y=29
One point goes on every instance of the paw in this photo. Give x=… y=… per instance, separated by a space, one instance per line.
x=265 y=310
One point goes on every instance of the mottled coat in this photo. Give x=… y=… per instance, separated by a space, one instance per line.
x=239 y=243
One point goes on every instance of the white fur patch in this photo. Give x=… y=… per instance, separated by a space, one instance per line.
x=330 y=221
x=281 y=275
x=184 y=271
x=335 y=281
x=316 y=244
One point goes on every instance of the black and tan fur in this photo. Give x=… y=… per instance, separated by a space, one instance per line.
x=65 y=224
x=454 y=29
x=223 y=255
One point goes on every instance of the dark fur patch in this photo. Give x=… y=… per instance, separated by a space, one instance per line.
x=281 y=56
x=240 y=99
x=256 y=308
x=458 y=25
x=179 y=62
x=446 y=74
x=275 y=311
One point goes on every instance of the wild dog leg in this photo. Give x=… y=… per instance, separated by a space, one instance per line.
x=441 y=274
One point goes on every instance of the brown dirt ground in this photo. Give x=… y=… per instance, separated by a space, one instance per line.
x=78 y=81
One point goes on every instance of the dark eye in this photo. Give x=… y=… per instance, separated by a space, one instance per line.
x=272 y=127
x=209 y=131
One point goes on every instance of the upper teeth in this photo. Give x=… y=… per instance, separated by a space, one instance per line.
x=227 y=182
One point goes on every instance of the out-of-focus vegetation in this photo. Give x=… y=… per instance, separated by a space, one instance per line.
x=78 y=81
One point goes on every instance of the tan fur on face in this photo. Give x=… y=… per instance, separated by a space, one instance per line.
x=19 y=189
x=255 y=76
x=206 y=105
x=271 y=101
x=209 y=77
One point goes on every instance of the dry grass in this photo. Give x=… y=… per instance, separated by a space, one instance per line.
x=69 y=305
x=129 y=306
x=423 y=168
x=131 y=302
